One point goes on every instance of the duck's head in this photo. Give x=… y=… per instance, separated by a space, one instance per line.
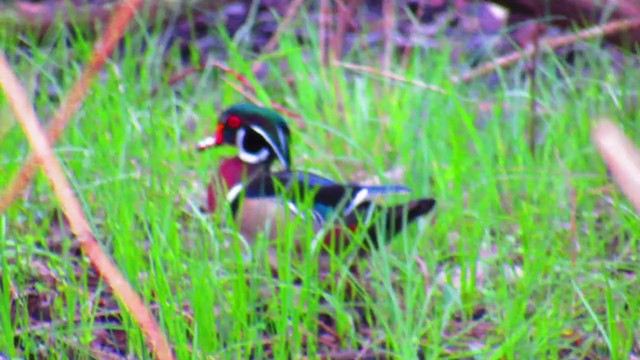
x=260 y=134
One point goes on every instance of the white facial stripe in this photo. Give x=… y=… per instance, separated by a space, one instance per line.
x=268 y=139
x=283 y=139
x=360 y=196
x=234 y=192
x=251 y=158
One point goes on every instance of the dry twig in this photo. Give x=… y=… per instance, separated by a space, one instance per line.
x=533 y=113
x=406 y=53
x=571 y=13
x=389 y=25
x=73 y=210
x=102 y=50
x=325 y=24
x=246 y=89
x=389 y=75
x=249 y=95
x=548 y=43
x=215 y=64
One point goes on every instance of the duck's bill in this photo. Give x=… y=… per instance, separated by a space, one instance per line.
x=206 y=143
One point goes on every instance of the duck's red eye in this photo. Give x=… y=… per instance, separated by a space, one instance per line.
x=234 y=121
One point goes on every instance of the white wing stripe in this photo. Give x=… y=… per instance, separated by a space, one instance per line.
x=234 y=191
x=359 y=197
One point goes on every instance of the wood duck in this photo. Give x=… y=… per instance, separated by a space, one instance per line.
x=262 y=200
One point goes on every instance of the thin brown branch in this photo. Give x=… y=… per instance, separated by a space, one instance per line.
x=574 y=242
x=43 y=154
x=289 y=113
x=196 y=69
x=329 y=330
x=406 y=53
x=243 y=79
x=533 y=113
x=573 y=225
x=324 y=32
x=246 y=89
x=102 y=50
x=581 y=13
x=548 y=43
x=244 y=92
x=389 y=75
x=425 y=273
x=389 y=25
x=249 y=95
x=622 y=157
x=344 y=13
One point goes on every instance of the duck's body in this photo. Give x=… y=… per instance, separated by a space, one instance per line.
x=265 y=202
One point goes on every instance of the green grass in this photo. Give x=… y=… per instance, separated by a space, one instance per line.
x=504 y=278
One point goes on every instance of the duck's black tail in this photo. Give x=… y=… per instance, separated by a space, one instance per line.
x=394 y=219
